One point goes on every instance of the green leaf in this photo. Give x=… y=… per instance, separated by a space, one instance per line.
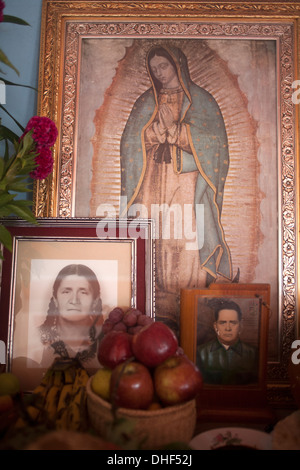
x=19 y=187
x=15 y=20
x=7 y=134
x=2 y=165
x=5 y=237
x=4 y=59
x=28 y=140
x=22 y=202
x=5 y=212
x=5 y=198
x=7 y=82
x=21 y=211
x=18 y=124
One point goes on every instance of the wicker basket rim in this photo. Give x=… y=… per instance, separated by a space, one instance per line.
x=140 y=413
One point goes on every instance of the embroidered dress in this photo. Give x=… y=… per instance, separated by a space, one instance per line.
x=85 y=352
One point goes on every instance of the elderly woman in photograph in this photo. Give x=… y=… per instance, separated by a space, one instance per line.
x=74 y=318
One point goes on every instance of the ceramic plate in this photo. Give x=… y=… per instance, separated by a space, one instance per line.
x=232 y=438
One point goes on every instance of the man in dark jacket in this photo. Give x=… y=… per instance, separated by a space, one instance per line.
x=227 y=360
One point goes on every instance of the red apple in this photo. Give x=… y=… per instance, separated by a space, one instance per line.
x=154 y=343
x=144 y=320
x=134 y=310
x=130 y=318
x=107 y=326
x=177 y=380
x=116 y=315
x=114 y=348
x=131 y=386
x=120 y=326
x=132 y=330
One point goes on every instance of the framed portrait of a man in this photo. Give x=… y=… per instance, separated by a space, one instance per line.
x=224 y=331
x=228 y=340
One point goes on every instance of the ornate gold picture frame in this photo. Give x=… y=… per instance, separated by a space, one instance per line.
x=234 y=45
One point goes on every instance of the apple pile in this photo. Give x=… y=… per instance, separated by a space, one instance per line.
x=131 y=320
x=145 y=370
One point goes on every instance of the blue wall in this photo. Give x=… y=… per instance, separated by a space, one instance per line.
x=21 y=45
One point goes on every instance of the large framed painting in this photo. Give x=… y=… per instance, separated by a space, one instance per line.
x=60 y=283
x=186 y=114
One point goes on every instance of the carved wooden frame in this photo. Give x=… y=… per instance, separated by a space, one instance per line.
x=57 y=100
x=196 y=319
x=120 y=246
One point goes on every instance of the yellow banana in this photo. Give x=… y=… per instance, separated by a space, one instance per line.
x=65 y=397
x=58 y=378
x=52 y=397
x=69 y=375
x=76 y=411
x=40 y=389
x=75 y=414
x=47 y=378
x=62 y=419
x=60 y=397
x=33 y=412
x=81 y=378
x=51 y=402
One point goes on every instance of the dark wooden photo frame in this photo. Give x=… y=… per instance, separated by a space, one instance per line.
x=119 y=254
x=229 y=399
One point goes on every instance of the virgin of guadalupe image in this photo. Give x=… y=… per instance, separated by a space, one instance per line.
x=174 y=151
x=181 y=128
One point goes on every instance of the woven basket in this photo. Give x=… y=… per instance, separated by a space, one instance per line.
x=155 y=428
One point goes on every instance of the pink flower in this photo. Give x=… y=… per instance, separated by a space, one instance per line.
x=44 y=163
x=2 y=6
x=45 y=131
x=44 y=135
